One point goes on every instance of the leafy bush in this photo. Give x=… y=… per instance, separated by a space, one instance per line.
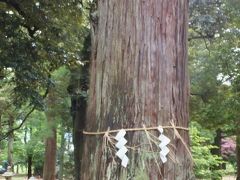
x=204 y=162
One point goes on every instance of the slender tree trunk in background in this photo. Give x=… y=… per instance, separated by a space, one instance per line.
x=61 y=154
x=49 y=169
x=29 y=152
x=217 y=143
x=78 y=108
x=138 y=76
x=29 y=162
x=76 y=138
x=10 y=142
x=238 y=154
x=0 y=123
x=217 y=151
x=79 y=83
x=78 y=125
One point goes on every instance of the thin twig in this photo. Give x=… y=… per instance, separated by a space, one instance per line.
x=149 y=140
x=19 y=126
x=180 y=137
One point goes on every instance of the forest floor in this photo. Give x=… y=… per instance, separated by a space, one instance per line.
x=17 y=177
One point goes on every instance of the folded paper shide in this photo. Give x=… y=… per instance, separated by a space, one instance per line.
x=164 y=141
x=122 y=149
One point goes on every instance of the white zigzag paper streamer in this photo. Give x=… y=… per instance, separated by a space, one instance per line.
x=164 y=141
x=122 y=150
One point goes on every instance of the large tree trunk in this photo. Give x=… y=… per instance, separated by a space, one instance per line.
x=138 y=76
x=49 y=169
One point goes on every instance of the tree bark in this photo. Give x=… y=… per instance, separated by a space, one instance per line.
x=138 y=76
x=61 y=154
x=49 y=169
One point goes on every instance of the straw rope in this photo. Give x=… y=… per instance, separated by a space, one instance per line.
x=134 y=129
x=109 y=142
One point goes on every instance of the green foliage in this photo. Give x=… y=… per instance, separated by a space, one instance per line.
x=214 y=67
x=206 y=19
x=37 y=37
x=30 y=140
x=204 y=161
x=69 y=165
x=3 y=154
